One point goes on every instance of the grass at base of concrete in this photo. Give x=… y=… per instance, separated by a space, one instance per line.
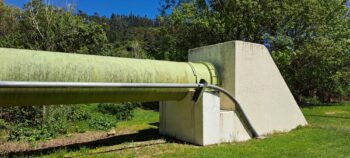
x=327 y=135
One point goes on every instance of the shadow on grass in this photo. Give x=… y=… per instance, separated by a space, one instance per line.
x=156 y=124
x=313 y=105
x=141 y=136
x=324 y=116
x=123 y=148
x=154 y=106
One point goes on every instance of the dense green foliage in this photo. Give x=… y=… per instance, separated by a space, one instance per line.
x=120 y=111
x=309 y=40
x=30 y=123
x=43 y=27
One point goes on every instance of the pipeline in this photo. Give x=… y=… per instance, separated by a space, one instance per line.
x=42 y=66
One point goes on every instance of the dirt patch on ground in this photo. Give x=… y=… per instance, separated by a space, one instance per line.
x=78 y=138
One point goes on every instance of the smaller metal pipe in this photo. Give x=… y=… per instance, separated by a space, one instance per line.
x=244 y=117
x=17 y=84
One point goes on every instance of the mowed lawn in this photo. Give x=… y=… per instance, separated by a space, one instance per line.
x=327 y=135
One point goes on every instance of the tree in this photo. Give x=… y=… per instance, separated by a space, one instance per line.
x=293 y=31
x=8 y=23
x=45 y=27
x=8 y=17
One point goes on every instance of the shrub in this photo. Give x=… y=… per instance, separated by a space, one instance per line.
x=3 y=124
x=120 y=111
x=79 y=113
x=102 y=123
x=30 y=114
x=51 y=124
x=38 y=123
x=55 y=125
x=24 y=132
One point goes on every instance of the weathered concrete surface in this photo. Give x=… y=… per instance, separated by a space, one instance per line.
x=29 y=65
x=202 y=123
x=195 y=123
x=249 y=73
x=222 y=56
x=231 y=128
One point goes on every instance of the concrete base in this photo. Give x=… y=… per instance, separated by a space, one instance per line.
x=231 y=128
x=249 y=73
x=202 y=123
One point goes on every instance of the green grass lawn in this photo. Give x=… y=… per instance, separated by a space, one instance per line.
x=327 y=135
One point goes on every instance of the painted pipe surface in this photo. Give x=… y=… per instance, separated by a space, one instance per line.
x=40 y=66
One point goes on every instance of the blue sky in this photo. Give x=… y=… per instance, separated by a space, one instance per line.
x=107 y=7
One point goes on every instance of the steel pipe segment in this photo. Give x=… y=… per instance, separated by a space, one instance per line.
x=41 y=66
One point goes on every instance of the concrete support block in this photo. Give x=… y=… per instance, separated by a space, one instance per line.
x=195 y=123
x=231 y=128
x=249 y=73
x=202 y=123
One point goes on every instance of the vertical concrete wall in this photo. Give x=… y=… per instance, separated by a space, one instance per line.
x=248 y=72
x=201 y=123
x=263 y=92
x=231 y=128
x=222 y=56
x=195 y=123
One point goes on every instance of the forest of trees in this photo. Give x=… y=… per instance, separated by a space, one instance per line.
x=309 y=40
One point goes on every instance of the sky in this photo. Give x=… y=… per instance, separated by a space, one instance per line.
x=147 y=8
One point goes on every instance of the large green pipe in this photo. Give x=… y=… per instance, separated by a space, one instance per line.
x=29 y=65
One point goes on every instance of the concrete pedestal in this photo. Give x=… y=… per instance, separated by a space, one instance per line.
x=249 y=73
x=202 y=123
x=231 y=128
